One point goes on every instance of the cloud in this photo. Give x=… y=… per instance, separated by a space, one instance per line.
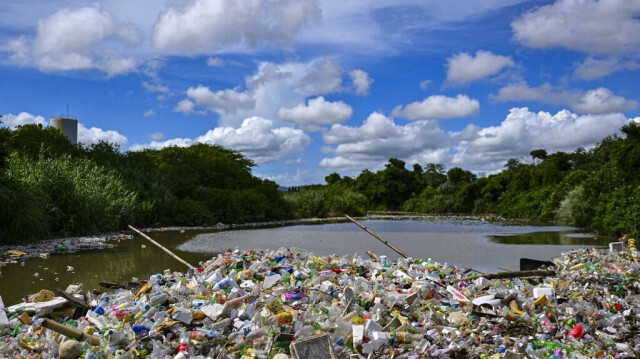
x=424 y=85
x=156 y=136
x=272 y=86
x=149 y=113
x=438 y=107
x=155 y=87
x=215 y=62
x=202 y=26
x=93 y=135
x=488 y=148
x=256 y=138
x=223 y=101
x=86 y=136
x=119 y=66
x=600 y=100
x=606 y=27
x=323 y=76
x=361 y=81
x=595 y=68
x=78 y=39
x=316 y=113
x=464 y=68
x=380 y=138
x=23 y=118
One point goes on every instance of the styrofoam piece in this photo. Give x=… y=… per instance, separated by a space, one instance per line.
x=4 y=321
x=316 y=347
x=544 y=290
x=616 y=246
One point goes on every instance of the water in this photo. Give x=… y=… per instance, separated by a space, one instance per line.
x=479 y=245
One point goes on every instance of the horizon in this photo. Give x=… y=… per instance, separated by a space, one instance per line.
x=308 y=88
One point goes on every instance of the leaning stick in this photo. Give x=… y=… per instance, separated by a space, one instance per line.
x=378 y=237
x=70 y=332
x=161 y=247
x=516 y=274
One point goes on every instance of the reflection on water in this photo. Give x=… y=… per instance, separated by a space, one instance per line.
x=128 y=259
x=462 y=243
x=551 y=238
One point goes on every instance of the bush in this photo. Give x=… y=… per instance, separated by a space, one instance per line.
x=78 y=196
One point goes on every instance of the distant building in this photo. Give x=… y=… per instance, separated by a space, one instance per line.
x=67 y=125
x=482 y=174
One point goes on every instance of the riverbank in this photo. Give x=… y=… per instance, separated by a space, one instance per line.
x=284 y=302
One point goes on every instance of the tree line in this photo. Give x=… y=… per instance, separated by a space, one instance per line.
x=597 y=188
x=51 y=188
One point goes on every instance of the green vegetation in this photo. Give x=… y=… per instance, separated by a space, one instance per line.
x=599 y=188
x=51 y=188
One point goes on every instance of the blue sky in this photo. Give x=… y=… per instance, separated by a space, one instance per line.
x=307 y=88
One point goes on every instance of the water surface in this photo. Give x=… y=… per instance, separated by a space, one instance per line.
x=478 y=245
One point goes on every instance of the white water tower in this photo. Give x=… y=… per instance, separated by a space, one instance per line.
x=67 y=125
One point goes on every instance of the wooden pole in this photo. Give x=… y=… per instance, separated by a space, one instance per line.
x=70 y=332
x=378 y=237
x=161 y=247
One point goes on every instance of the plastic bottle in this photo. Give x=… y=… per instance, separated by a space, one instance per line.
x=102 y=306
x=305 y=331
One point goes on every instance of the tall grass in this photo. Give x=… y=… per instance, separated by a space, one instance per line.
x=67 y=195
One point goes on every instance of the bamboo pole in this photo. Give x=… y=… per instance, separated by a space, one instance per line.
x=378 y=237
x=73 y=300
x=161 y=247
x=516 y=274
x=70 y=332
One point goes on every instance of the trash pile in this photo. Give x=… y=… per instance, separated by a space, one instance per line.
x=290 y=303
x=13 y=253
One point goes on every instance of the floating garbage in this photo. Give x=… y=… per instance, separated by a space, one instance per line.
x=291 y=303
x=13 y=253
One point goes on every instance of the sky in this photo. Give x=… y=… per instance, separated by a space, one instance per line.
x=306 y=88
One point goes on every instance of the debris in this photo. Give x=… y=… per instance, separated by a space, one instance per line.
x=290 y=303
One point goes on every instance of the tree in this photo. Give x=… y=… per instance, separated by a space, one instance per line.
x=513 y=164
x=35 y=141
x=434 y=175
x=539 y=154
x=457 y=175
x=332 y=178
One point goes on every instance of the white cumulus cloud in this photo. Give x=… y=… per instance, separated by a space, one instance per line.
x=590 y=26
x=318 y=112
x=438 y=107
x=78 y=39
x=93 y=135
x=203 y=26
x=271 y=87
x=361 y=81
x=224 y=101
x=23 y=118
x=488 y=148
x=86 y=136
x=595 y=68
x=599 y=100
x=256 y=138
x=185 y=106
x=464 y=68
x=380 y=138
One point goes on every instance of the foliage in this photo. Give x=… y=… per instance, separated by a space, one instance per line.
x=597 y=188
x=50 y=187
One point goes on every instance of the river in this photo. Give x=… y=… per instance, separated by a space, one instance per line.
x=482 y=246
